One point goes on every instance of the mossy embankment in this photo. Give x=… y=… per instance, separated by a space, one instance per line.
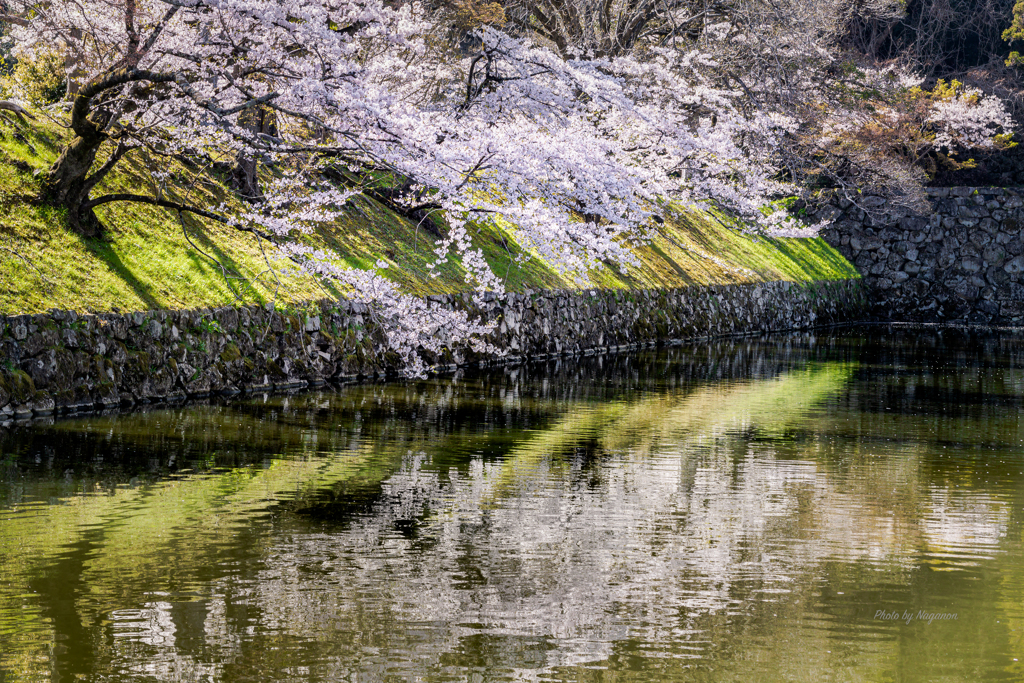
x=151 y=258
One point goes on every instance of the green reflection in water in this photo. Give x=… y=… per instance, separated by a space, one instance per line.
x=735 y=511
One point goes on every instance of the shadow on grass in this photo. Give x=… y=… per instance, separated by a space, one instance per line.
x=798 y=252
x=773 y=258
x=241 y=287
x=501 y=251
x=106 y=255
x=369 y=232
x=225 y=266
x=666 y=261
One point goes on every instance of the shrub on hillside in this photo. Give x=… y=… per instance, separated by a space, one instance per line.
x=42 y=81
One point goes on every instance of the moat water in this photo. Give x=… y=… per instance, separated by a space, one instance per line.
x=846 y=506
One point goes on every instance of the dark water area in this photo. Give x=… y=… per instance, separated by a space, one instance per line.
x=844 y=506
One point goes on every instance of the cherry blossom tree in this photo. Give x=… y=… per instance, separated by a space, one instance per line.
x=575 y=155
x=848 y=122
x=577 y=152
x=860 y=126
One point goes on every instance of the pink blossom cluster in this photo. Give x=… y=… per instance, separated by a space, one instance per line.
x=970 y=119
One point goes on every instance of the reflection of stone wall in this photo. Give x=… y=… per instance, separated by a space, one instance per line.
x=964 y=261
x=66 y=362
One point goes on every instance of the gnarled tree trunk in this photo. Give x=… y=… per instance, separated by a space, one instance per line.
x=68 y=183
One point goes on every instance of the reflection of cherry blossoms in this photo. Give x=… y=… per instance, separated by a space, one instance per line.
x=539 y=520
x=683 y=523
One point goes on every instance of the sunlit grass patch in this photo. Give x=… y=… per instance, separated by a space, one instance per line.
x=150 y=258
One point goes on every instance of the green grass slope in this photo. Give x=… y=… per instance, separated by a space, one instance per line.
x=151 y=258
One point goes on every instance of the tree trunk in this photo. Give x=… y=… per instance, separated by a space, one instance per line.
x=244 y=179
x=244 y=176
x=67 y=184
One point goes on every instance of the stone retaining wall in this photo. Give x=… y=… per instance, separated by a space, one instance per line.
x=962 y=262
x=63 y=362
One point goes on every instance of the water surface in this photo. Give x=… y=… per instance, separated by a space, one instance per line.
x=841 y=507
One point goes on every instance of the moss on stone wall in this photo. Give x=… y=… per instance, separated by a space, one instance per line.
x=66 y=362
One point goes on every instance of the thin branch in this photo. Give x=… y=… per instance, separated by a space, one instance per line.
x=161 y=25
x=176 y=206
x=39 y=272
x=103 y=170
x=11 y=19
x=223 y=269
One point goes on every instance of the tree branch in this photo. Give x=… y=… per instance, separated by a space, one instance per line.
x=16 y=108
x=11 y=19
x=80 y=122
x=176 y=206
x=103 y=170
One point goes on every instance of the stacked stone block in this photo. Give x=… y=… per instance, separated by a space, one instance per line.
x=65 y=362
x=962 y=262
